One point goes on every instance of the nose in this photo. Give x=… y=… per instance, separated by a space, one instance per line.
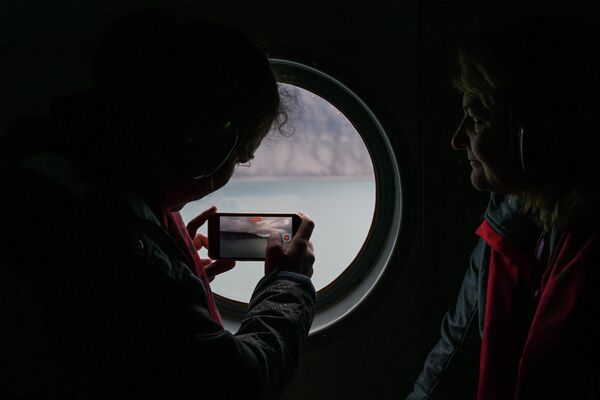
x=459 y=139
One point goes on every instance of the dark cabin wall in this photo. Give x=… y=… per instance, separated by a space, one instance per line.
x=402 y=53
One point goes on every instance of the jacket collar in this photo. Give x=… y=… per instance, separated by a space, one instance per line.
x=503 y=214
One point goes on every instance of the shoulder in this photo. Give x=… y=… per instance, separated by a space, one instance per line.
x=580 y=244
x=504 y=214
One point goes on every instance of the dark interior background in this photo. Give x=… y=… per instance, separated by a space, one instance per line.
x=402 y=52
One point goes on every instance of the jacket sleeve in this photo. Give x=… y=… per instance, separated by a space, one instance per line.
x=279 y=318
x=257 y=361
x=254 y=363
x=124 y=317
x=451 y=368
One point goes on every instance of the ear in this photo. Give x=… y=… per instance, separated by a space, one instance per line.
x=200 y=155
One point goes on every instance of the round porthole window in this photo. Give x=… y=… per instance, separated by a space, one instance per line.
x=338 y=166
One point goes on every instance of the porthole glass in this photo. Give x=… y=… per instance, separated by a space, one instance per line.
x=317 y=163
x=341 y=168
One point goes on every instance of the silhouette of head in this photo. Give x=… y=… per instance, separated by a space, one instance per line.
x=184 y=98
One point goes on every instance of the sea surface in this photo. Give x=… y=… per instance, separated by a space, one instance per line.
x=341 y=207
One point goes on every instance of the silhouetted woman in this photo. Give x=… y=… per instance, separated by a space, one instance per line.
x=115 y=301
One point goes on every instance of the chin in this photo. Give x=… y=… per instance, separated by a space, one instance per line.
x=497 y=180
x=484 y=179
x=479 y=182
x=483 y=185
x=481 y=188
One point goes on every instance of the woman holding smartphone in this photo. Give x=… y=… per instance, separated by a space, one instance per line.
x=526 y=324
x=123 y=307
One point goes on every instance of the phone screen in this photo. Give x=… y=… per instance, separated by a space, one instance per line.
x=245 y=236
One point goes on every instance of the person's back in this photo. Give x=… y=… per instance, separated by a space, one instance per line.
x=108 y=313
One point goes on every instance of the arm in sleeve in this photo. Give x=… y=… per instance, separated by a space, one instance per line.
x=451 y=368
x=125 y=316
x=279 y=318
x=256 y=362
x=140 y=322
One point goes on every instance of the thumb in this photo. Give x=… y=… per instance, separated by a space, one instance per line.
x=274 y=253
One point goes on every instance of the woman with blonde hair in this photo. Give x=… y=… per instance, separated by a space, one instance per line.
x=526 y=314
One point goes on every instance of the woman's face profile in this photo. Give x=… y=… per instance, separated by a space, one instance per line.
x=485 y=137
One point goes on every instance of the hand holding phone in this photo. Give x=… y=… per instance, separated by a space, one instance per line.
x=211 y=268
x=299 y=255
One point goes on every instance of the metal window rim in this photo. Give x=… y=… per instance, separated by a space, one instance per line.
x=347 y=293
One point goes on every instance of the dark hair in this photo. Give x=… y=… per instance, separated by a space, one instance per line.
x=153 y=70
x=546 y=72
x=156 y=80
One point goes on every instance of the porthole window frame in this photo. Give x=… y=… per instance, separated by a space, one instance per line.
x=338 y=300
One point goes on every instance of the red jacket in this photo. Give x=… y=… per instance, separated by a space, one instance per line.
x=540 y=329
x=500 y=340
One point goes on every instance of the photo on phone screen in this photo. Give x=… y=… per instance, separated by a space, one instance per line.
x=245 y=236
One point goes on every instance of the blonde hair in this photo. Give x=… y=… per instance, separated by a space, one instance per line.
x=486 y=70
x=475 y=78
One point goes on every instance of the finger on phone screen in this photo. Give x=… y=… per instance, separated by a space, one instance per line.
x=306 y=226
x=198 y=221
x=303 y=233
x=274 y=252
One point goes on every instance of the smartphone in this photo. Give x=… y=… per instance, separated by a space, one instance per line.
x=243 y=236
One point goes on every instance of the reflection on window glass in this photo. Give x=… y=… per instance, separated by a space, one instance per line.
x=322 y=169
